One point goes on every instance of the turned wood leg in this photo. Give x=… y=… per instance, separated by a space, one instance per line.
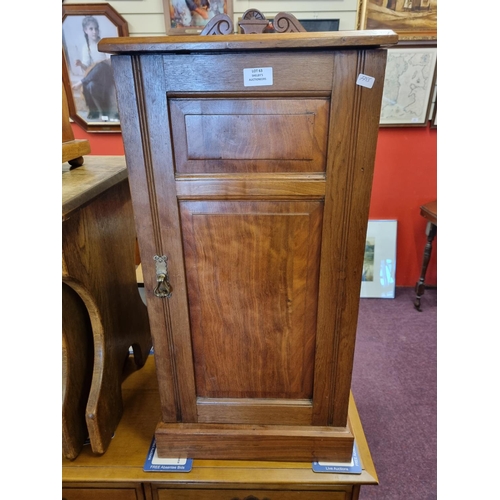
x=420 y=286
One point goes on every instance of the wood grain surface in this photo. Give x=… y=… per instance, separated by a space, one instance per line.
x=260 y=259
x=259 y=198
x=121 y=467
x=98 y=264
x=228 y=43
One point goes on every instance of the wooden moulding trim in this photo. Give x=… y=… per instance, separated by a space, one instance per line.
x=193 y=188
x=254 y=442
x=254 y=411
x=344 y=328
x=265 y=41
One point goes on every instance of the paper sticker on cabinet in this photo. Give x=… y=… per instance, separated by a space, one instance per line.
x=253 y=77
x=365 y=81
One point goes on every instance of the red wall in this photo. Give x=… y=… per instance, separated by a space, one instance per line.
x=405 y=178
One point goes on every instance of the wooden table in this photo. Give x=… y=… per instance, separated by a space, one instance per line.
x=102 y=314
x=119 y=474
x=429 y=212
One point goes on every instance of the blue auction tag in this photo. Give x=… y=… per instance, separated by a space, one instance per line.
x=156 y=464
x=352 y=467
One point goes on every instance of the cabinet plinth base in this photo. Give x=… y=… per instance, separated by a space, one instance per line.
x=254 y=442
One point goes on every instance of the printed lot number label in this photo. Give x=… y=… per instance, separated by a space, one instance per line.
x=253 y=77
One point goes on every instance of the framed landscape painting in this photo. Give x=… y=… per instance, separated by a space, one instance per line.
x=410 y=19
x=379 y=266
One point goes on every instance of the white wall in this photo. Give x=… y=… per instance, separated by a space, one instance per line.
x=344 y=10
x=146 y=18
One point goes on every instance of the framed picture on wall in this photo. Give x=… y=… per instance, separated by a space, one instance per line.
x=379 y=266
x=410 y=19
x=409 y=81
x=189 y=17
x=434 y=115
x=320 y=24
x=433 y=110
x=87 y=73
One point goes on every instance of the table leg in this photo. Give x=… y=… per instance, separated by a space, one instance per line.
x=420 y=286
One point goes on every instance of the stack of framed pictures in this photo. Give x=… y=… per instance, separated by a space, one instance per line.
x=411 y=66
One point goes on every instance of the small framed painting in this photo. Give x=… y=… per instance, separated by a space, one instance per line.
x=379 y=267
x=189 y=17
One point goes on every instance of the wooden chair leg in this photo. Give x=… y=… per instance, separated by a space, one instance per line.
x=420 y=285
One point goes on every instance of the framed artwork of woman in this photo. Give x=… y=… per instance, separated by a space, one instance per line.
x=87 y=73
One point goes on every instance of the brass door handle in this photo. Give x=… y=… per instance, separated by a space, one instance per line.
x=163 y=287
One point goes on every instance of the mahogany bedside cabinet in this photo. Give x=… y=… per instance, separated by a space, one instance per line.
x=250 y=163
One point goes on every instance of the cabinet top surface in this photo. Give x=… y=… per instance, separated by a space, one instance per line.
x=268 y=41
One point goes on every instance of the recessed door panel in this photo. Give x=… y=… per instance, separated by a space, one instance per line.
x=249 y=135
x=252 y=276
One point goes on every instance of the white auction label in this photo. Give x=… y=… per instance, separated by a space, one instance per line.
x=253 y=77
x=365 y=81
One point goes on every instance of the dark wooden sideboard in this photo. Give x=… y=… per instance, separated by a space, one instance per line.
x=119 y=475
x=250 y=164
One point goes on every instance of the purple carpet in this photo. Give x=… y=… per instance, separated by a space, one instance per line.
x=395 y=387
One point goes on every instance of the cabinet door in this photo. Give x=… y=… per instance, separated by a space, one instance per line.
x=259 y=199
x=252 y=271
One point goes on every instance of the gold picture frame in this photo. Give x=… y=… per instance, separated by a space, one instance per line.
x=413 y=20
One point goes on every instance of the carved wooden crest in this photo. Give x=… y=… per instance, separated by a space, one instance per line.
x=253 y=22
x=221 y=24
x=287 y=23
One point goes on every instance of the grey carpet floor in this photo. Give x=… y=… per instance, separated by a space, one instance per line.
x=395 y=387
